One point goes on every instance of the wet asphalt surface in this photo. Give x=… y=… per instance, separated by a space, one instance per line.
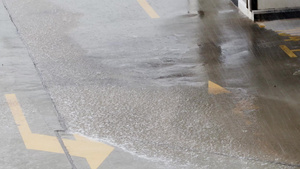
x=142 y=84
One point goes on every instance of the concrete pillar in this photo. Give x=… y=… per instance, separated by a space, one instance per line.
x=193 y=6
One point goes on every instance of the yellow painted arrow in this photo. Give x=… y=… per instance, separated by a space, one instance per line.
x=215 y=89
x=94 y=152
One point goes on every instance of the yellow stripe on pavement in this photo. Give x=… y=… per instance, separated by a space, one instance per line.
x=293 y=38
x=216 y=89
x=290 y=30
x=261 y=25
x=31 y=141
x=148 y=9
x=94 y=152
x=288 y=51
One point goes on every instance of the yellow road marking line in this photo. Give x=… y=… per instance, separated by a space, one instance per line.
x=293 y=38
x=94 y=152
x=283 y=34
x=290 y=30
x=261 y=25
x=148 y=9
x=288 y=51
x=31 y=141
x=215 y=89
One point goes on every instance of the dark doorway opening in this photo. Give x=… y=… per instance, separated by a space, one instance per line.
x=253 y=5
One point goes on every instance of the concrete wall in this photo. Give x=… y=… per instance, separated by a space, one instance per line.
x=267 y=4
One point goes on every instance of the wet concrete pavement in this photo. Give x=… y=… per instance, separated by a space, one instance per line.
x=18 y=76
x=141 y=84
